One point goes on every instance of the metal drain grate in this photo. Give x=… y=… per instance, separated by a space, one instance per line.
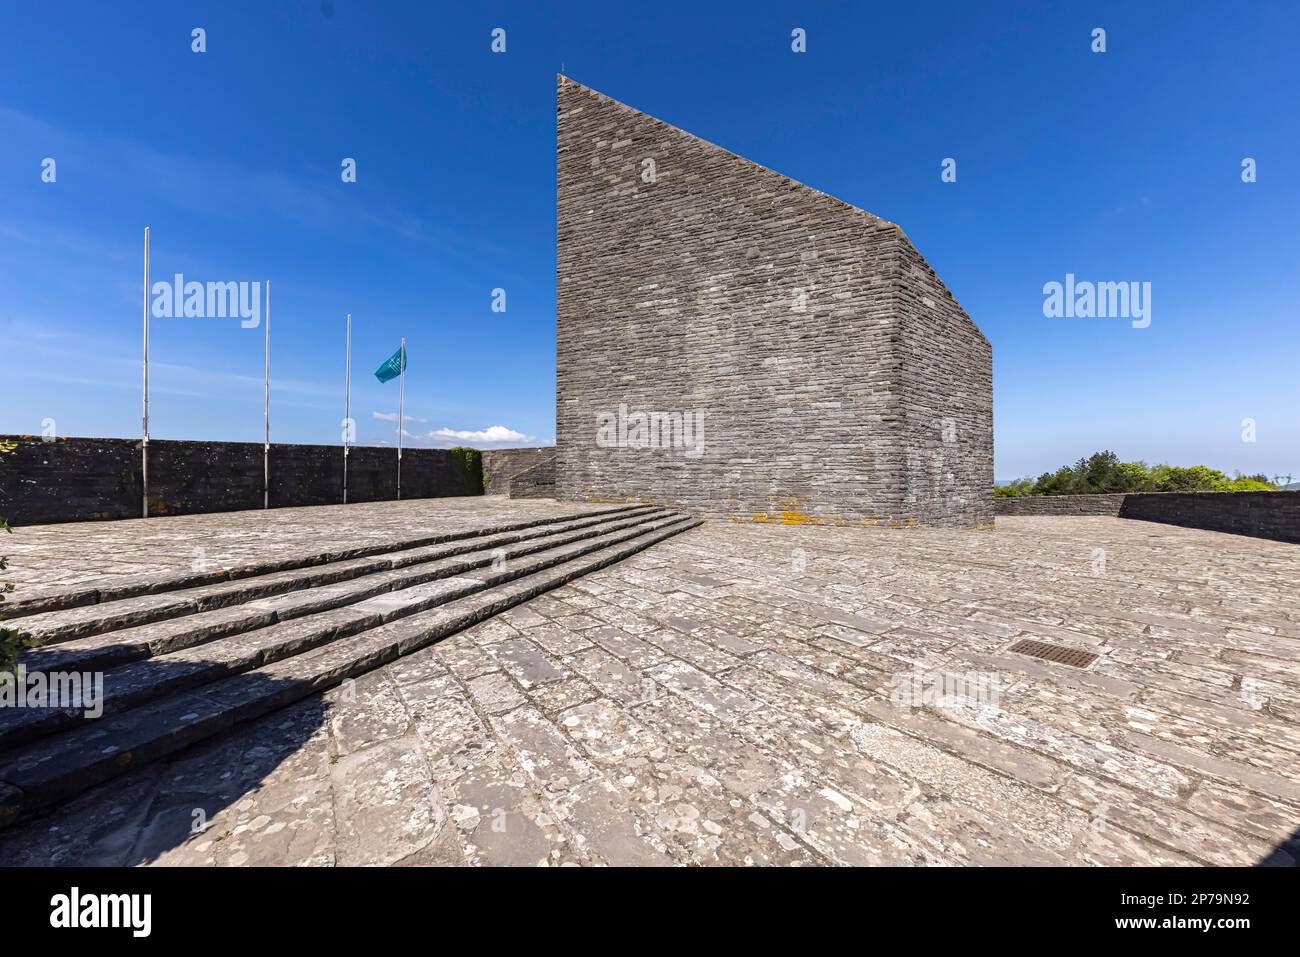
x=1057 y=653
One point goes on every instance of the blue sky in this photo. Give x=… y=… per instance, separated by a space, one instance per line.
x=1121 y=166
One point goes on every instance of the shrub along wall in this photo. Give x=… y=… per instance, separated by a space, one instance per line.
x=74 y=479
x=470 y=462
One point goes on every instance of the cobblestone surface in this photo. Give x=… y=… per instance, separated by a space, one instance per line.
x=745 y=694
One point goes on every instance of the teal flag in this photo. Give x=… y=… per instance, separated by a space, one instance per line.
x=393 y=366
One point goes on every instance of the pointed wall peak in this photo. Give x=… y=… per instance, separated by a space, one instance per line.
x=736 y=343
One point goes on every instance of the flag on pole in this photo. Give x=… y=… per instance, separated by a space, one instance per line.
x=393 y=366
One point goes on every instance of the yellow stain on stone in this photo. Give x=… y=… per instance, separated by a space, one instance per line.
x=791 y=514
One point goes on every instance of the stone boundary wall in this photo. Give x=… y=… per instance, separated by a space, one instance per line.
x=1059 y=505
x=81 y=479
x=501 y=465
x=535 y=482
x=1274 y=515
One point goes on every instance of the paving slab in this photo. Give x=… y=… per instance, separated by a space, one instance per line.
x=46 y=559
x=757 y=694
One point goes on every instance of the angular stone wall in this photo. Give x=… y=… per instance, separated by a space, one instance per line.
x=535 y=482
x=1273 y=515
x=75 y=479
x=836 y=377
x=946 y=393
x=1060 y=505
x=1260 y=514
x=501 y=465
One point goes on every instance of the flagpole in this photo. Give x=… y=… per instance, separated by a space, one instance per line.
x=144 y=444
x=266 y=407
x=401 y=411
x=347 y=406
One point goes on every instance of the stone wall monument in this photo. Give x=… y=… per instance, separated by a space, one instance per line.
x=732 y=342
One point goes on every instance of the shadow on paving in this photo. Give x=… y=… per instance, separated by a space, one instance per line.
x=191 y=756
x=1286 y=854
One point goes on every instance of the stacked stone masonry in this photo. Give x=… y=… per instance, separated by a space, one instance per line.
x=501 y=465
x=1060 y=505
x=535 y=482
x=837 y=378
x=81 y=479
x=1273 y=515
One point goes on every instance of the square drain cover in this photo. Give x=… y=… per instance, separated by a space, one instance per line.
x=1057 y=653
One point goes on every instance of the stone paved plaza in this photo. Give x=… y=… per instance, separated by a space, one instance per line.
x=49 y=559
x=732 y=696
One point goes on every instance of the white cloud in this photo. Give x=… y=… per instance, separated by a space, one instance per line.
x=392 y=417
x=493 y=435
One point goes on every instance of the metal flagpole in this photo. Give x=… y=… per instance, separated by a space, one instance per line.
x=144 y=444
x=347 y=407
x=266 y=407
x=401 y=407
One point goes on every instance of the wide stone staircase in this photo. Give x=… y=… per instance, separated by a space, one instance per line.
x=194 y=655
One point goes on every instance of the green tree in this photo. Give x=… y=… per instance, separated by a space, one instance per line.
x=1130 y=477
x=1098 y=473
x=1197 y=478
x=1021 y=486
x=1251 y=483
x=1064 y=481
x=1096 y=470
x=1103 y=472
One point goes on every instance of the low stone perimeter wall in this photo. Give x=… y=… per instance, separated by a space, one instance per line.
x=535 y=482
x=1261 y=514
x=500 y=466
x=1273 y=515
x=1059 y=505
x=73 y=479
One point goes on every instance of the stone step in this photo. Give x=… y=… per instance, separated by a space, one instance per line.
x=100 y=651
x=56 y=627
x=316 y=620
x=57 y=768
x=132 y=586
